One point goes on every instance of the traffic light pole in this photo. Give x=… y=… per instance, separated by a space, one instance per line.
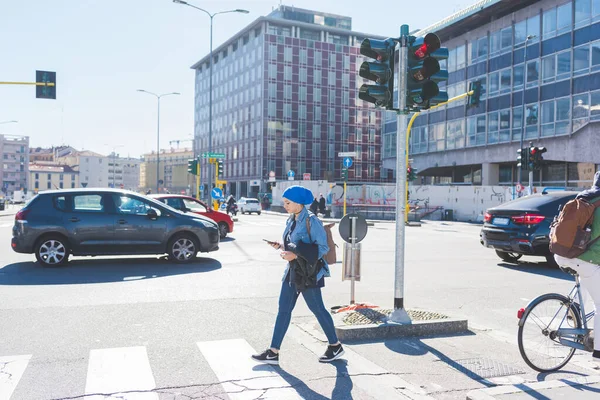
x=399 y=315
x=530 y=182
x=198 y=178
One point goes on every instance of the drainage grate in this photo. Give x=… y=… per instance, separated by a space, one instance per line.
x=366 y=316
x=484 y=368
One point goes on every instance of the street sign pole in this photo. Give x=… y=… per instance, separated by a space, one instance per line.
x=353 y=242
x=399 y=315
x=344 y=197
x=531 y=182
x=198 y=178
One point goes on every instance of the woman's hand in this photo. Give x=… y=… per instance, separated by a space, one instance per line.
x=288 y=255
x=275 y=245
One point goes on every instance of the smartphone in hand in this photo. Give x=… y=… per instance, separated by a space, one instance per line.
x=270 y=242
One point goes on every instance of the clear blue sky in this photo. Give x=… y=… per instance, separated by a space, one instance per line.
x=103 y=50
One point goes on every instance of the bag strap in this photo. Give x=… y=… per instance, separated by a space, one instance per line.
x=591 y=242
x=308 y=228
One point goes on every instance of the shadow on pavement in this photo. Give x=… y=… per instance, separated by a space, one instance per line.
x=227 y=239
x=541 y=268
x=101 y=271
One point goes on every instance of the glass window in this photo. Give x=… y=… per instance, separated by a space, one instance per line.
x=563 y=109
x=548 y=68
x=517 y=123
x=493 y=83
x=549 y=23
x=581 y=59
x=194 y=206
x=533 y=28
x=273 y=52
x=494 y=43
x=595 y=10
x=504 y=125
x=316 y=133
x=88 y=202
x=564 y=17
x=303 y=56
x=482 y=47
x=318 y=60
x=595 y=105
x=518 y=76
x=492 y=127
x=331 y=114
x=317 y=77
x=595 y=55
x=302 y=93
x=548 y=112
x=506 y=40
x=505 y=80
x=531 y=114
x=583 y=12
x=287 y=92
x=460 y=57
x=563 y=65
x=520 y=32
x=287 y=54
x=581 y=106
x=303 y=75
x=533 y=72
x=287 y=111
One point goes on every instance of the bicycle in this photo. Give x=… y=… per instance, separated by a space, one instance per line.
x=561 y=325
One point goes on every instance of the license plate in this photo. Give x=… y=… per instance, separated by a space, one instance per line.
x=501 y=221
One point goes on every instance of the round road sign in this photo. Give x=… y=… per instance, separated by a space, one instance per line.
x=519 y=188
x=346 y=227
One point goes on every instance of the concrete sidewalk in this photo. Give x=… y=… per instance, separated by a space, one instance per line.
x=582 y=388
x=10 y=210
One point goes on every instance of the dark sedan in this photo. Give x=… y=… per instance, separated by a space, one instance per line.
x=521 y=227
x=89 y=222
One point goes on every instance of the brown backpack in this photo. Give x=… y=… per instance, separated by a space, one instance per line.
x=330 y=257
x=570 y=232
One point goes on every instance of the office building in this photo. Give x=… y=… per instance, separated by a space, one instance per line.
x=123 y=172
x=48 y=175
x=14 y=152
x=539 y=63
x=285 y=98
x=173 y=173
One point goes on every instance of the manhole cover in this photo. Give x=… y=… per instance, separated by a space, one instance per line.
x=484 y=368
x=366 y=316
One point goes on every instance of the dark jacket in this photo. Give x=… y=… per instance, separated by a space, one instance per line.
x=304 y=268
x=593 y=192
x=322 y=205
x=314 y=206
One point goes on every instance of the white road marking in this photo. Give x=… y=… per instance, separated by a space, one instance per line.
x=124 y=371
x=6 y=225
x=11 y=371
x=243 y=378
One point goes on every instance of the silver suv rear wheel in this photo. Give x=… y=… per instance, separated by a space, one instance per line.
x=52 y=251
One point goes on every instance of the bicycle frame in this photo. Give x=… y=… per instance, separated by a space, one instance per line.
x=571 y=337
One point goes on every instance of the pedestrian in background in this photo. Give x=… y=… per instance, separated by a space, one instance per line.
x=296 y=234
x=314 y=206
x=321 y=204
x=587 y=264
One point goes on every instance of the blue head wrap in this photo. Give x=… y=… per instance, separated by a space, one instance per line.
x=298 y=194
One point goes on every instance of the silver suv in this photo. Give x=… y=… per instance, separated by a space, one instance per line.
x=90 y=222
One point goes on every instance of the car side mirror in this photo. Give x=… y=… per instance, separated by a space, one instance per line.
x=152 y=214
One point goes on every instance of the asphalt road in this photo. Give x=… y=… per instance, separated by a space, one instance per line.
x=151 y=329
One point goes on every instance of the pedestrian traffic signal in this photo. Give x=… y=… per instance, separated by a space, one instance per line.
x=411 y=173
x=193 y=167
x=474 y=87
x=220 y=168
x=522 y=159
x=345 y=174
x=381 y=71
x=45 y=87
x=424 y=72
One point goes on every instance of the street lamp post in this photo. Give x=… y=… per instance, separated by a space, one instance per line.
x=523 y=123
x=238 y=10
x=8 y=122
x=158 y=96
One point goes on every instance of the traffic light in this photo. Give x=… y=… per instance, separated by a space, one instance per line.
x=536 y=157
x=44 y=91
x=381 y=71
x=345 y=174
x=424 y=72
x=193 y=167
x=476 y=96
x=523 y=159
x=411 y=173
x=220 y=168
x=532 y=153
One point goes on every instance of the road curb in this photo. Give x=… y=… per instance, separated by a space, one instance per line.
x=490 y=393
x=433 y=327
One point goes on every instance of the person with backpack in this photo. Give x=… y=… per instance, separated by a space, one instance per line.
x=585 y=252
x=303 y=248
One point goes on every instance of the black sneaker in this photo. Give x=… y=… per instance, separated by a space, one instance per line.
x=332 y=353
x=267 y=357
x=596 y=356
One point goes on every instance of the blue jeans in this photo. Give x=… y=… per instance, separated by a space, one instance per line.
x=287 y=302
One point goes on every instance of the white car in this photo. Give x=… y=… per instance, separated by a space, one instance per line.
x=246 y=205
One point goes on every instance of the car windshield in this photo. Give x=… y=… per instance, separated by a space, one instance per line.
x=163 y=205
x=251 y=201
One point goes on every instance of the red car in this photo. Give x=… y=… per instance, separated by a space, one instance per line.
x=190 y=204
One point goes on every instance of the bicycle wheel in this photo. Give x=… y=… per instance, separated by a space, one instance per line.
x=538 y=344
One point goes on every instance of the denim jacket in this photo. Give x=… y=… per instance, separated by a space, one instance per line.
x=317 y=234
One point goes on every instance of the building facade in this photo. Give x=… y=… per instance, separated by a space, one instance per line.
x=52 y=176
x=92 y=167
x=14 y=152
x=124 y=172
x=285 y=98
x=173 y=171
x=539 y=63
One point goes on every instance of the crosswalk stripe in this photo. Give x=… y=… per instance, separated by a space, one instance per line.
x=6 y=225
x=124 y=370
x=241 y=377
x=11 y=370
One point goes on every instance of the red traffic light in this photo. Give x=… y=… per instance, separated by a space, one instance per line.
x=533 y=150
x=431 y=43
